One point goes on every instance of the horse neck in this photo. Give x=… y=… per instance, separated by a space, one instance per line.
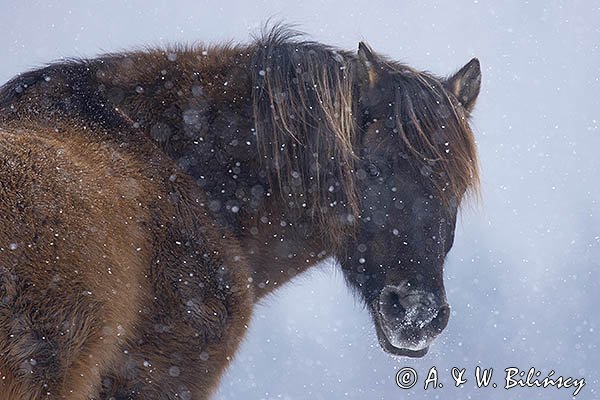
x=197 y=106
x=278 y=248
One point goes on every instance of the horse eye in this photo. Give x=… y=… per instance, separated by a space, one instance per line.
x=374 y=171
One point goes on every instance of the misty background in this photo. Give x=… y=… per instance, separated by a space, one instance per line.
x=523 y=277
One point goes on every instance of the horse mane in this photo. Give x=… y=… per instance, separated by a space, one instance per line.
x=304 y=116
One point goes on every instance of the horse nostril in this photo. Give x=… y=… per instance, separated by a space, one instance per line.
x=390 y=307
x=441 y=319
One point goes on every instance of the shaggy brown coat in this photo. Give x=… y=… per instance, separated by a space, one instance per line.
x=148 y=199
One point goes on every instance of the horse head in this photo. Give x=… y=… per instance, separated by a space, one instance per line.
x=416 y=160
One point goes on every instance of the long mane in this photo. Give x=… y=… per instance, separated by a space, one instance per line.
x=304 y=108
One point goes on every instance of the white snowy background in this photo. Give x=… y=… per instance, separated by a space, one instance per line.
x=523 y=278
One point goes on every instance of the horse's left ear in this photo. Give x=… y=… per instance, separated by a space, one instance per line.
x=367 y=65
x=465 y=84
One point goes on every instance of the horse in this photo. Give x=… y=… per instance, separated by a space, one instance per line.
x=149 y=199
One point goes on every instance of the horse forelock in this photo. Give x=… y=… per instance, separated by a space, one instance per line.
x=435 y=130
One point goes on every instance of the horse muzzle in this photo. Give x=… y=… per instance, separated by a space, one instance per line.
x=408 y=320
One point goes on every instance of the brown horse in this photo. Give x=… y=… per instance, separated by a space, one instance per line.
x=149 y=199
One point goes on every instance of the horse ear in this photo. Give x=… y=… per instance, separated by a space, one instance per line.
x=367 y=65
x=465 y=84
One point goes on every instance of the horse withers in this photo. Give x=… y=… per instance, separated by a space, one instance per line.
x=150 y=198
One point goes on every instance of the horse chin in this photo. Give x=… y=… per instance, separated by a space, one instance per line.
x=389 y=348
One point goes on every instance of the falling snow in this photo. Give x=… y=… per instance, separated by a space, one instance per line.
x=523 y=276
